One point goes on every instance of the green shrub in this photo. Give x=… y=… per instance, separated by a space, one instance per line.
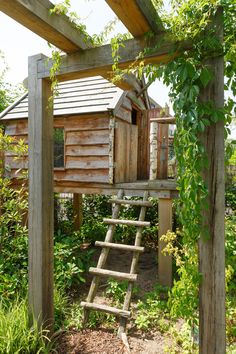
x=230 y=196
x=152 y=310
x=230 y=249
x=13 y=232
x=71 y=260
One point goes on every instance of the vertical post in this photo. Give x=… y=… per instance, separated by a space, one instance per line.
x=165 y=224
x=162 y=151
x=40 y=198
x=164 y=206
x=153 y=151
x=78 y=211
x=212 y=250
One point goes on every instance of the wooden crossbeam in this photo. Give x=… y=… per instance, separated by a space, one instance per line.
x=138 y=16
x=99 y=61
x=56 y=29
x=164 y=120
x=105 y=308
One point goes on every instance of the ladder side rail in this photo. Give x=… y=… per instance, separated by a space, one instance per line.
x=133 y=269
x=103 y=257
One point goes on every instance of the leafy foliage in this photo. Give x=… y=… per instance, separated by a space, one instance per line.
x=71 y=260
x=16 y=336
x=8 y=93
x=151 y=311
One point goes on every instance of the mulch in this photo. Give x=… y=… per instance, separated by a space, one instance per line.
x=88 y=341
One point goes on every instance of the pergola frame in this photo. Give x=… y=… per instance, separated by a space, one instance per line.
x=82 y=61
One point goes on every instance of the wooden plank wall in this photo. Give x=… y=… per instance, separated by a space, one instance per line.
x=86 y=148
x=126 y=148
x=14 y=164
x=143 y=146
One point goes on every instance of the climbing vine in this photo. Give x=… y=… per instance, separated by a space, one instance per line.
x=186 y=76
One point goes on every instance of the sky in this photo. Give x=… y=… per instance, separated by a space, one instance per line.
x=18 y=43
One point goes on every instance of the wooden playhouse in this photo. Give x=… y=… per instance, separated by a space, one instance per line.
x=101 y=134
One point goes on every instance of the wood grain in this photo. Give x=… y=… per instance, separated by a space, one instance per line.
x=56 y=29
x=139 y=17
x=212 y=249
x=99 y=60
x=40 y=199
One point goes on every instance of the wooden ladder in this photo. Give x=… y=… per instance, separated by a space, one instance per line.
x=131 y=277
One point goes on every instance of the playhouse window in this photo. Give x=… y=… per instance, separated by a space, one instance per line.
x=59 y=147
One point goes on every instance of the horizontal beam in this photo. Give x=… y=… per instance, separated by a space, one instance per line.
x=99 y=61
x=138 y=16
x=164 y=120
x=127 y=82
x=54 y=28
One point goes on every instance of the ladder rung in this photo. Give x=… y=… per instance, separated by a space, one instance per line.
x=111 y=273
x=127 y=222
x=140 y=203
x=119 y=246
x=105 y=308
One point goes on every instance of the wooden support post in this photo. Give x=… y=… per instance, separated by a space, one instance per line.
x=165 y=224
x=40 y=198
x=78 y=210
x=212 y=250
x=162 y=149
x=164 y=205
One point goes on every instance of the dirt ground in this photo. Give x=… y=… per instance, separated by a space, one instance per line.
x=103 y=341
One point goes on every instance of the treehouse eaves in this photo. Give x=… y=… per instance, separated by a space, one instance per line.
x=94 y=94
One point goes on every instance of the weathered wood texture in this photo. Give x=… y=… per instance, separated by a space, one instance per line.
x=158 y=189
x=103 y=257
x=160 y=144
x=126 y=145
x=56 y=29
x=165 y=224
x=165 y=120
x=105 y=308
x=153 y=144
x=76 y=97
x=40 y=199
x=100 y=147
x=99 y=60
x=78 y=210
x=162 y=151
x=113 y=274
x=134 y=264
x=212 y=250
x=143 y=146
x=87 y=149
x=137 y=15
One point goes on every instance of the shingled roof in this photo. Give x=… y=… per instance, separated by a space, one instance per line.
x=94 y=94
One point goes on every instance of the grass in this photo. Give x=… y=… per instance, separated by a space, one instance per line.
x=16 y=336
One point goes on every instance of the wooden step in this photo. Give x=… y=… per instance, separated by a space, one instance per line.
x=105 y=308
x=119 y=246
x=140 y=203
x=111 y=273
x=127 y=222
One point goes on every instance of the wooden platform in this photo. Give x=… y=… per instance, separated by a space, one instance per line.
x=156 y=188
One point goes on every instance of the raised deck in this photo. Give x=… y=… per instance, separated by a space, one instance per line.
x=156 y=188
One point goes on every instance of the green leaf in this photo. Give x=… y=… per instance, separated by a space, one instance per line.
x=205 y=77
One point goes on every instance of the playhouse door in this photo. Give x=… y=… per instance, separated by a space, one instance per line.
x=126 y=151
